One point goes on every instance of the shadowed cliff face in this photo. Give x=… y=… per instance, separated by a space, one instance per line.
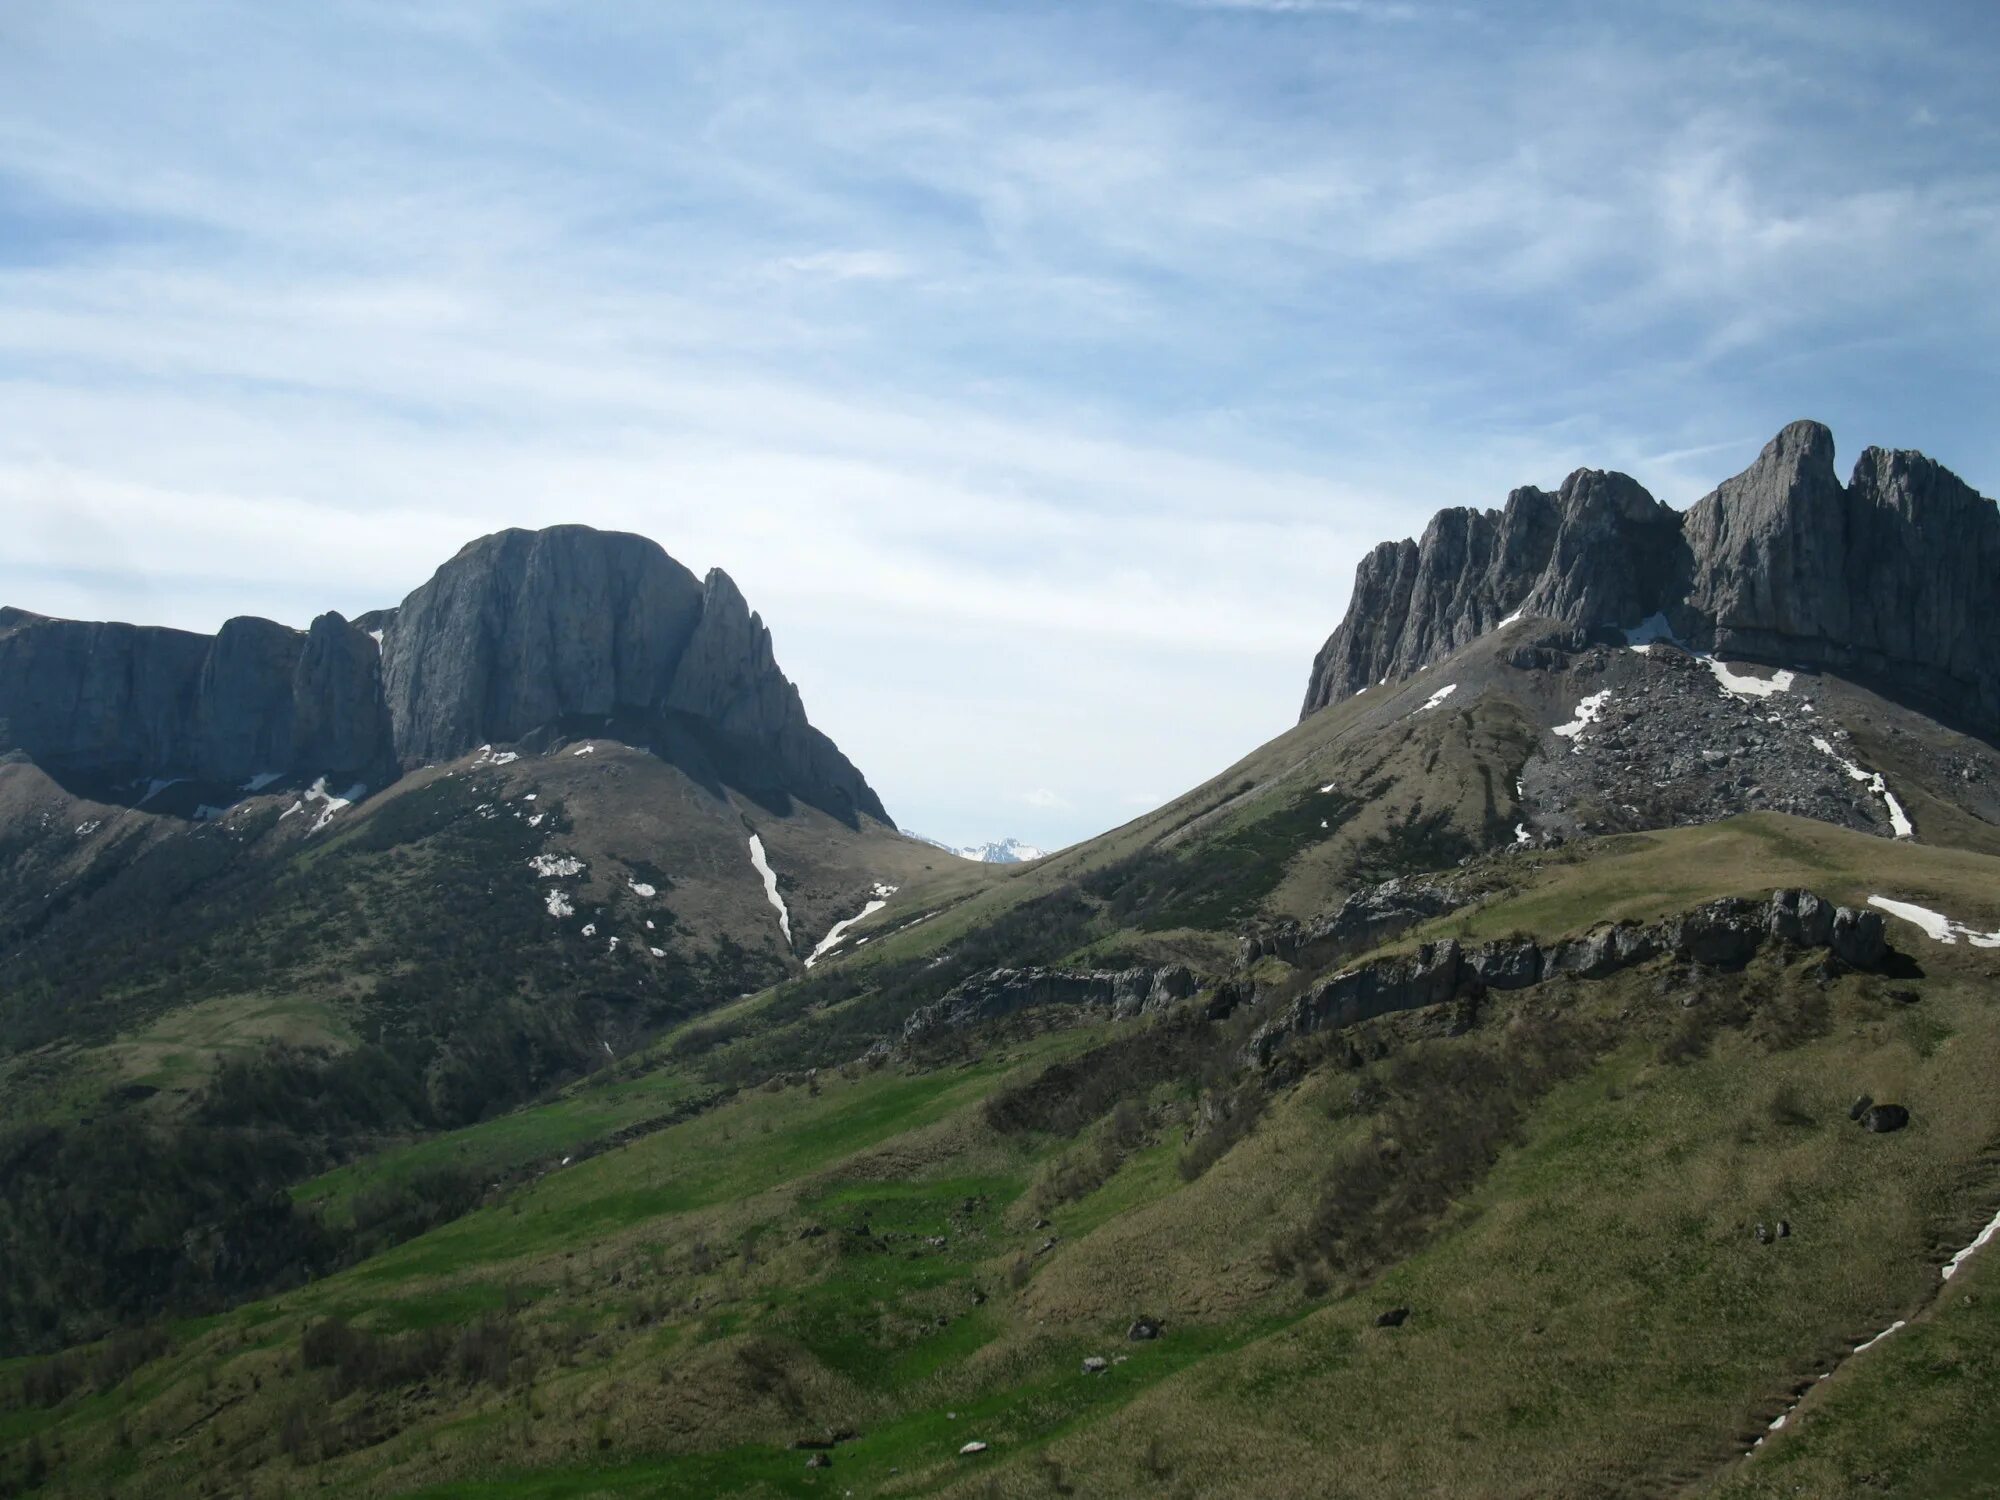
x=520 y=631
x=113 y=700
x=1890 y=577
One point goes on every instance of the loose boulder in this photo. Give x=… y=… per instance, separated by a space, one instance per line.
x=1883 y=1118
x=1395 y=1317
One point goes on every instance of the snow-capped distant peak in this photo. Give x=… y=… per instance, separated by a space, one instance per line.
x=999 y=852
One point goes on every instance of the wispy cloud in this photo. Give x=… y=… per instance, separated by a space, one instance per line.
x=1035 y=373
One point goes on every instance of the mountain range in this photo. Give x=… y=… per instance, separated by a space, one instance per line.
x=1558 y=1064
x=993 y=852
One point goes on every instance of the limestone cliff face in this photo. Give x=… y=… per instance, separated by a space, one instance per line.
x=1891 y=576
x=525 y=628
x=109 y=699
x=521 y=630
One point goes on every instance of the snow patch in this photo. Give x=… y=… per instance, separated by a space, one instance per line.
x=1587 y=713
x=770 y=878
x=1983 y=1237
x=1328 y=787
x=558 y=904
x=584 y=750
x=488 y=756
x=317 y=792
x=556 y=866
x=1750 y=687
x=838 y=931
x=1510 y=619
x=657 y=952
x=1936 y=925
x=640 y=888
x=85 y=830
x=1651 y=631
x=1436 y=698
x=1899 y=821
x=1521 y=834
x=1899 y=1323
x=590 y=929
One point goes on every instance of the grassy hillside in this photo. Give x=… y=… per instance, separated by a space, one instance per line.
x=915 y=1256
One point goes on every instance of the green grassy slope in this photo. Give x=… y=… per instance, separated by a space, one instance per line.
x=1564 y=1196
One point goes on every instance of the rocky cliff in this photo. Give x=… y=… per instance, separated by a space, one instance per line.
x=1888 y=577
x=519 y=632
x=132 y=701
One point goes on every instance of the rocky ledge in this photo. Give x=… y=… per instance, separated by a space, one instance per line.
x=1724 y=934
x=1364 y=920
x=1002 y=992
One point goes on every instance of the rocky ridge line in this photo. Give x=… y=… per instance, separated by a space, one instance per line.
x=1887 y=578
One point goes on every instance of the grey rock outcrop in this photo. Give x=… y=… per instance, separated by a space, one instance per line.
x=1887 y=578
x=116 y=700
x=520 y=631
x=1367 y=917
x=1723 y=934
x=527 y=628
x=1003 y=992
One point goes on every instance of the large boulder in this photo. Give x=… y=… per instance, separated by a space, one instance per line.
x=1859 y=938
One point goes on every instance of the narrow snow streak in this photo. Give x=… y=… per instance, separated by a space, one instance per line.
x=1984 y=1237
x=1899 y=821
x=771 y=886
x=1510 y=619
x=838 y=931
x=1951 y=1266
x=881 y=892
x=1438 y=697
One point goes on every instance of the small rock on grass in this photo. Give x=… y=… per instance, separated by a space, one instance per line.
x=1883 y=1118
x=1395 y=1317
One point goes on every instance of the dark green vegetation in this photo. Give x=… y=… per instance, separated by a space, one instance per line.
x=756 y=1238
x=474 y=1002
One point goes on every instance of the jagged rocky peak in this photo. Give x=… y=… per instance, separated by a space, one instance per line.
x=520 y=631
x=110 y=700
x=1890 y=577
x=525 y=629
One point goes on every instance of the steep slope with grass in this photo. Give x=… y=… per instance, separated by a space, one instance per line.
x=672 y=1280
x=1559 y=1067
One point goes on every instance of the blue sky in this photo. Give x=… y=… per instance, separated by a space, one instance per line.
x=1039 y=370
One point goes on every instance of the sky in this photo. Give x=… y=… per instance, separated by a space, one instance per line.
x=1040 y=371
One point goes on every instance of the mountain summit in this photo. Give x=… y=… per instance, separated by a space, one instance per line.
x=521 y=631
x=1886 y=579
